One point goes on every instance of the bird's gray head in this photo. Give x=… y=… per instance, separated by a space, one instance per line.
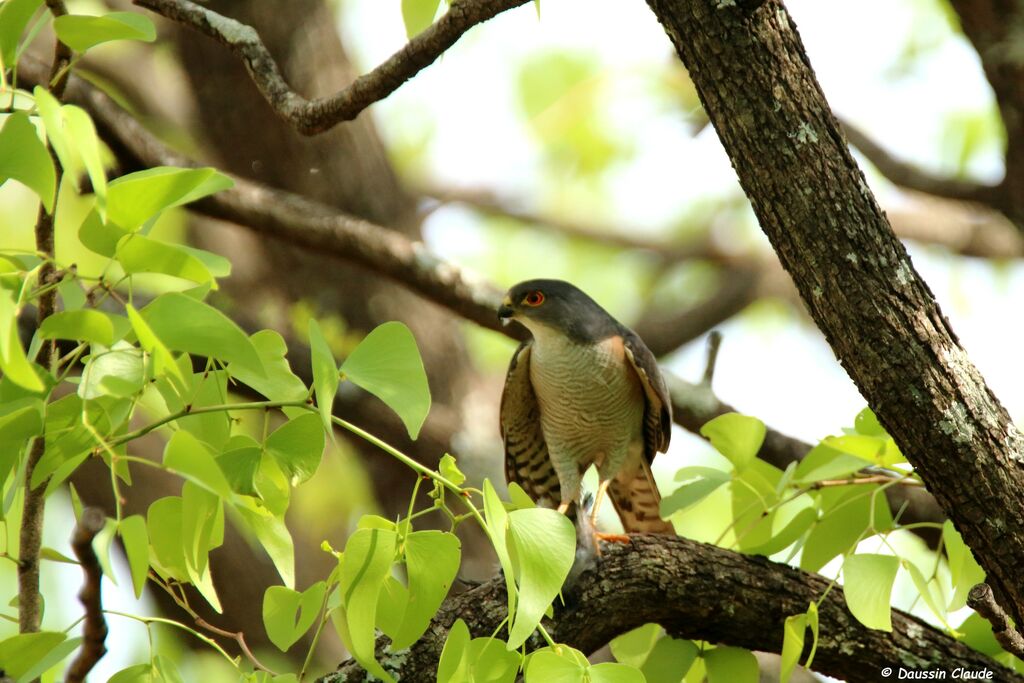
x=545 y=305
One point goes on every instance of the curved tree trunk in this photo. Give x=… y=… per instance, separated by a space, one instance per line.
x=854 y=275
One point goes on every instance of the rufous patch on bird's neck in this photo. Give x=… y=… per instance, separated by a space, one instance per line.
x=615 y=346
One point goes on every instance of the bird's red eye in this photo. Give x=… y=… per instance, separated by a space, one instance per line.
x=534 y=298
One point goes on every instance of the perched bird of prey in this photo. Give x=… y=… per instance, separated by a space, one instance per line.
x=583 y=390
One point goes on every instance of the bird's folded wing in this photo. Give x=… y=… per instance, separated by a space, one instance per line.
x=527 y=462
x=658 y=411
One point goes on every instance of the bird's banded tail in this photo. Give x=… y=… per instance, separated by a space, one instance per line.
x=636 y=498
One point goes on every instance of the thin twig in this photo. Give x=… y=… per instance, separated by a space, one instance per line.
x=33 y=508
x=94 y=630
x=239 y=638
x=714 y=343
x=182 y=602
x=982 y=601
x=60 y=71
x=873 y=479
x=488 y=202
x=310 y=117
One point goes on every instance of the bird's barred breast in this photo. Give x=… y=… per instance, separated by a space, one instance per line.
x=591 y=403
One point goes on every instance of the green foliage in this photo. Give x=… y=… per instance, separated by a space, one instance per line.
x=541 y=546
x=661 y=658
x=182 y=323
x=325 y=372
x=963 y=568
x=418 y=15
x=117 y=371
x=14 y=16
x=27 y=656
x=848 y=514
x=669 y=660
x=536 y=548
x=560 y=95
x=135 y=538
x=698 y=484
x=138 y=197
x=562 y=664
x=297 y=446
x=634 y=646
x=24 y=158
x=450 y=470
x=86 y=325
x=867 y=586
x=464 y=660
x=387 y=364
x=363 y=568
x=81 y=32
x=288 y=614
x=816 y=511
x=431 y=564
x=72 y=136
x=13 y=360
x=735 y=436
x=793 y=633
x=731 y=665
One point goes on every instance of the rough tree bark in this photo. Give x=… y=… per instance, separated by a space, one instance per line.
x=698 y=591
x=881 y=319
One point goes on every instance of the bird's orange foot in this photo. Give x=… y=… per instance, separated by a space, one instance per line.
x=611 y=538
x=608 y=538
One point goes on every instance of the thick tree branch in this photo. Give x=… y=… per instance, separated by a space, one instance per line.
x=316 y=116
x=94 y=630
x=669 y=581
x=862 y=291
x=910 y=177
x=966 y=228
x=961 y=227
x=665 y=331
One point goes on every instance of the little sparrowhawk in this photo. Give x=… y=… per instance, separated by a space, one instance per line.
x=584 y=390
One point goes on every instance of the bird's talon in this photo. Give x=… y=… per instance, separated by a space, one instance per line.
x=612 y=538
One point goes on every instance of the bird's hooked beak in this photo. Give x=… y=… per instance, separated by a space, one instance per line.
x=505 y=311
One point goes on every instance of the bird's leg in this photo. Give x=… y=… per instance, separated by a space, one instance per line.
x=564 y=507
x=602 y=489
